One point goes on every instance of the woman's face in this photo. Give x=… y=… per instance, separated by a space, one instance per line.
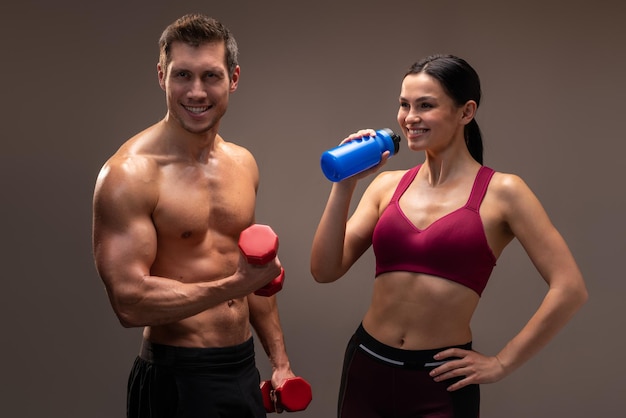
x=428 y=117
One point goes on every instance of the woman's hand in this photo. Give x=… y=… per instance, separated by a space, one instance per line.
x=470 y=366
x=358 y=135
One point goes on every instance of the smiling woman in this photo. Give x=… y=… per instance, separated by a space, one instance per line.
x=437 y=230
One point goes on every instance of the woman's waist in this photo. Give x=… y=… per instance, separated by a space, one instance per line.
x=406 y=358
x=417 y=329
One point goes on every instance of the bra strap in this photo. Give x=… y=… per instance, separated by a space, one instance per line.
x=405 y=182
x=480 y=187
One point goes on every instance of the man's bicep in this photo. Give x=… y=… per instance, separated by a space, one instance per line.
x=123 y=259
x=125 y=252
x=124 y=236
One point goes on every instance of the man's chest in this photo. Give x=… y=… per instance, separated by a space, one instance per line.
x=193 y=206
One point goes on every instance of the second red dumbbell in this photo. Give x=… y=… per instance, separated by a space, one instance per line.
x=259 y=245
x=293 y=395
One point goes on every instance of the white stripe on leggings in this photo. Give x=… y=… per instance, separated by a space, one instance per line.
x=396 y=362
x=388 y=360
x=435 y=363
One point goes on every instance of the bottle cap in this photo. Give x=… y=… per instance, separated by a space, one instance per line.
x=394 y=137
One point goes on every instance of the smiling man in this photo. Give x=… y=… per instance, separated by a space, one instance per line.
x=169 y=206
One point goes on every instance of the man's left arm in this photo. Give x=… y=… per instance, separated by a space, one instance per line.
x=265 y=320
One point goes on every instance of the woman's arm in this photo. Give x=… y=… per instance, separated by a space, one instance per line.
x=554 y=261
x=339 y=242
x=526 y=219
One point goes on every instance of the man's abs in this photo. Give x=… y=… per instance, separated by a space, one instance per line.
x=224 y=325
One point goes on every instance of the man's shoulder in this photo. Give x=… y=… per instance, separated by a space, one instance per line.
x=239 y=153
x=127 y=173
x=128 y=162
x=127 y=181
x=137 y=155
x=232 y=147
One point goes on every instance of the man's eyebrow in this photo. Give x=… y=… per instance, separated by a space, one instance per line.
x=176 y=69
x=216 y=70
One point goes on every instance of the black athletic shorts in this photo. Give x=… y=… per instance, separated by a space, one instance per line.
x=181 y=382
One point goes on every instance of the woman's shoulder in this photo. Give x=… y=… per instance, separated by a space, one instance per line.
x=386 y=179
x=382 y=188
x=509 y=186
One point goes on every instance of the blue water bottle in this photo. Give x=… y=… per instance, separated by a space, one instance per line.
x=358 y=155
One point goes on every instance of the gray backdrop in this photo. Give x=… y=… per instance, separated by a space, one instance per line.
x=80 y=77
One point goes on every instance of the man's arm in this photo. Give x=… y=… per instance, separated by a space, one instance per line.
x=266 y=323
x=125 y=243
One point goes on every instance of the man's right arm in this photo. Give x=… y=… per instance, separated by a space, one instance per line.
x=125 y=242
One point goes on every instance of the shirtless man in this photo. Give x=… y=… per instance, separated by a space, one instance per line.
x=169 y=206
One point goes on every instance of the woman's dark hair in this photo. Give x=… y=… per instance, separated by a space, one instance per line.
x=461 y=83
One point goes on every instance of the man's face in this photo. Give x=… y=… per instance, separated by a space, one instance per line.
x=197 y=85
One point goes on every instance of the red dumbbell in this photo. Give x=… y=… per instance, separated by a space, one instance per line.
x=259 y=245
x=293 y=395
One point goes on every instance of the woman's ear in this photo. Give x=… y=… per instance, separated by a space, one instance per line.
x=469 y=111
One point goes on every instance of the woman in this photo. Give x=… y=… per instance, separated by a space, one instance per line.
x=437 y=231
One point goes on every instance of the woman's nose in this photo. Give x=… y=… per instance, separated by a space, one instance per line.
x=413 y=117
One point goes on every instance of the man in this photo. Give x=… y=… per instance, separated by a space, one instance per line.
x=169 y=206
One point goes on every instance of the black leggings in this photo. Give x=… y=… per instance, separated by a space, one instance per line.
x=379 y=381
x=181 y=382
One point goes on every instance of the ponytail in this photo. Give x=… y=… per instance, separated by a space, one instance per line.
x=474 y=140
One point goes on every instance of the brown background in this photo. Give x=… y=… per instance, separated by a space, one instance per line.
x=78 y=78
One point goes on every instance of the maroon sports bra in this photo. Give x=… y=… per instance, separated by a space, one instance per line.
x=453 y=247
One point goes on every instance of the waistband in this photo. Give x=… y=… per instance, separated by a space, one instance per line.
x=410 y=359
x=212 y=357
